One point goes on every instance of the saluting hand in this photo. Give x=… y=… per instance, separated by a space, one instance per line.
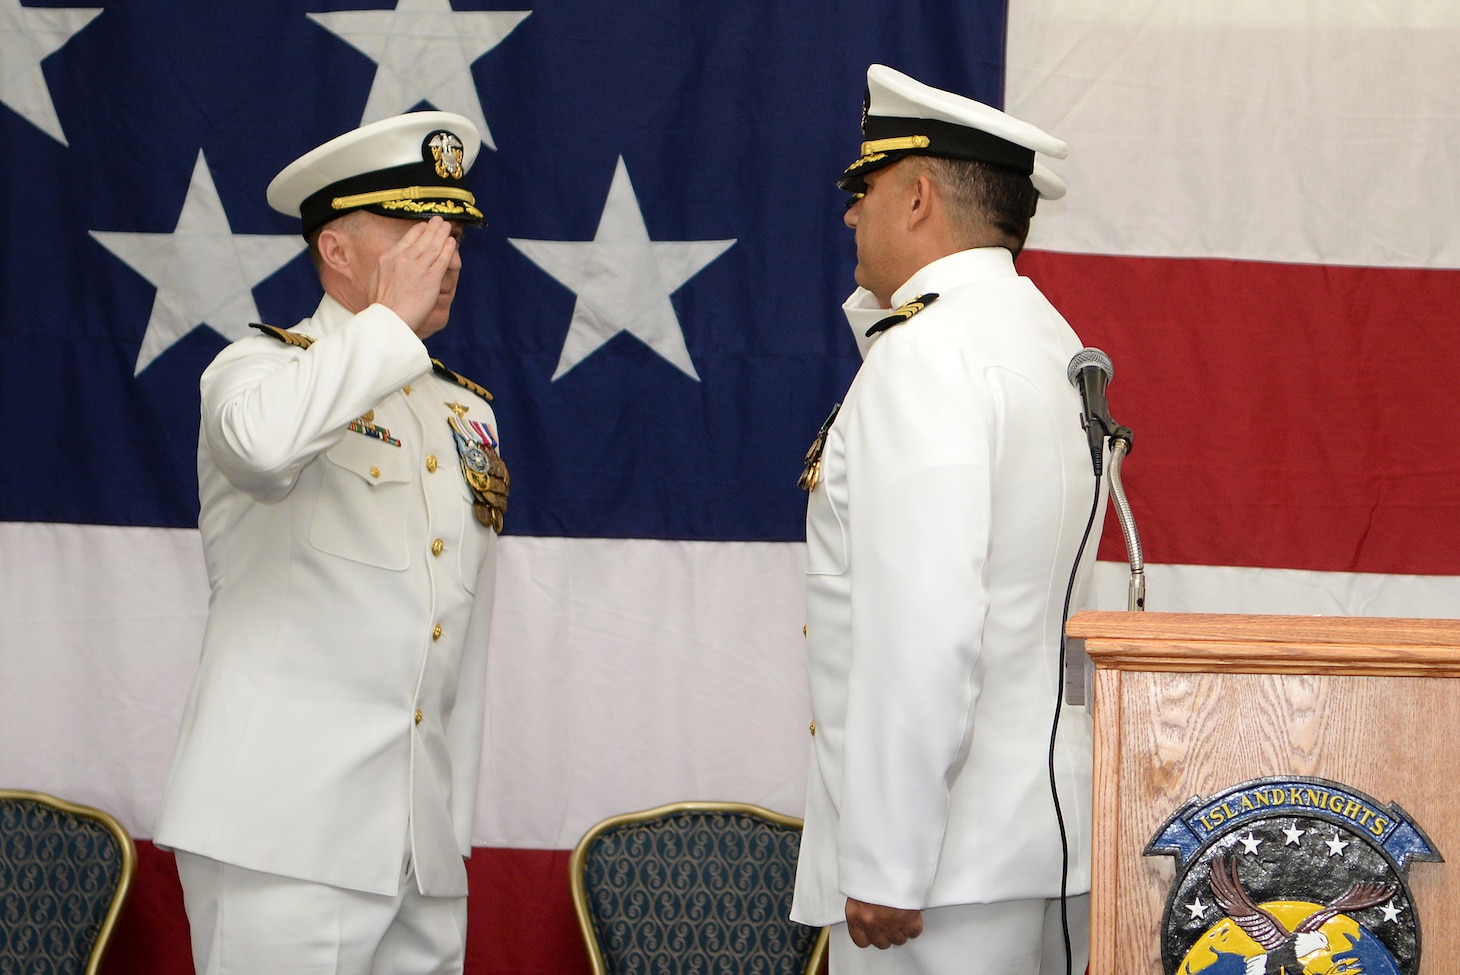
x=413 y=276
x=873 y=924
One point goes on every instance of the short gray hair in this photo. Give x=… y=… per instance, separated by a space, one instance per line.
x=981 y=195
x=337 y=222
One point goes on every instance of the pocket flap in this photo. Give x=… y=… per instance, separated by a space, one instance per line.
x=375 y=461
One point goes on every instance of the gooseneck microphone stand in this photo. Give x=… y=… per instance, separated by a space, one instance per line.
x=1088 y=372
x=1120 y=445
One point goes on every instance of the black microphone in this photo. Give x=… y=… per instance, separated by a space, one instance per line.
x=1089 y=372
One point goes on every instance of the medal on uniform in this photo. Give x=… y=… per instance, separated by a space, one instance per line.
x=811 y=473
x=482 y=467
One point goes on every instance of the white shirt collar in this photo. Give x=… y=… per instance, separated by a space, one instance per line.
x=955 y=270
x=329 y=317
x=964 y=267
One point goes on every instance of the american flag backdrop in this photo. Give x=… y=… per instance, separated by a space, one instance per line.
x=1260 y=230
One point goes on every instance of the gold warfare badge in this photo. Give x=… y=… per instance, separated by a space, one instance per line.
x=1291 y=876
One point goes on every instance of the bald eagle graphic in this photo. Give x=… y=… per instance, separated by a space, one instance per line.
x=1284 y=948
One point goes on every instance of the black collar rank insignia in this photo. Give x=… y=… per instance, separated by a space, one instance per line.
x=903 y=312
x=441 y=370
x=296 y=339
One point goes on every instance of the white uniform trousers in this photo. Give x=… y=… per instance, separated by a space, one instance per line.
x=1007 y=938
x=249 y=923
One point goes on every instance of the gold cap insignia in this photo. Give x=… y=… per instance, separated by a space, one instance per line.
x=447 y=153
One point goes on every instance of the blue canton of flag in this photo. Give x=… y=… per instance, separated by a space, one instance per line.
x=654 y=300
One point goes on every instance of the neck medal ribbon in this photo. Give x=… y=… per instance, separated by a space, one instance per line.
x=486 y=475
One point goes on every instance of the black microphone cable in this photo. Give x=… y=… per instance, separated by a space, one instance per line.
x=1059 y=702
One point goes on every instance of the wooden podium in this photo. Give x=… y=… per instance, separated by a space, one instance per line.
x=1188 y=705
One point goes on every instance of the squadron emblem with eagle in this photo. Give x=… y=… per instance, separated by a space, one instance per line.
x=1291 y=876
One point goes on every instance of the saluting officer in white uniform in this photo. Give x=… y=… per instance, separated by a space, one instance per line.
x=321 y=797
x=948 y=496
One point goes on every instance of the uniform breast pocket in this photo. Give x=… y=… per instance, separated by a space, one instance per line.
x=364 y=500
x=478 y=544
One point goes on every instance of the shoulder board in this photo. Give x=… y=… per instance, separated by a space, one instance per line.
x=296 y=339
x=904 y=311
x=460 y=380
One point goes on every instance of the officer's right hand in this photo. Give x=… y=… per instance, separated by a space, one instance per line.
x=873 y=925
x=408 y=278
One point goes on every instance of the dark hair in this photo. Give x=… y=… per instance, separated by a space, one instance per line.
x=982 y=195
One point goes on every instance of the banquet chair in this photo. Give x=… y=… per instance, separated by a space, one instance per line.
x=692 y=888
x=65 y=870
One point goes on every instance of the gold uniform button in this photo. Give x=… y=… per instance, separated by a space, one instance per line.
x=803 y=631
x=374 y=472
x=419 y=715
x=436 y=632
x=437 y=547
x=431 y=463
x=813 y=729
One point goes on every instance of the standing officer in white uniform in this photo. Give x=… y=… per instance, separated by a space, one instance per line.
x=948 y=497
x=321 y=798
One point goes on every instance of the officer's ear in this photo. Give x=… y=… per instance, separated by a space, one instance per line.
x=332 y=248
x=919 y=198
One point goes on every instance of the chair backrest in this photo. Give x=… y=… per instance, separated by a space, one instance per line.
x=65 y=871
x=693 y=887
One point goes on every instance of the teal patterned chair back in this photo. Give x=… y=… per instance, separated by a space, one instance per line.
x=64 y=873
x=693 y=888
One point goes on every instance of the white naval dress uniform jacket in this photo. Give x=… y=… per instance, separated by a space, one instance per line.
x=955 y=486
x=331 y=724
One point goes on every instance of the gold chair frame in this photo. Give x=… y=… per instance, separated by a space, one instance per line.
x=577 y=867
x=125 y=876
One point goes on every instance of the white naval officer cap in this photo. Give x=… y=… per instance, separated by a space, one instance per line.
x=902 y=117
x=410 y=165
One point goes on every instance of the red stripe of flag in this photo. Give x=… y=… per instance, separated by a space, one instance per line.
x=1285 y=416
x=520 y=917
